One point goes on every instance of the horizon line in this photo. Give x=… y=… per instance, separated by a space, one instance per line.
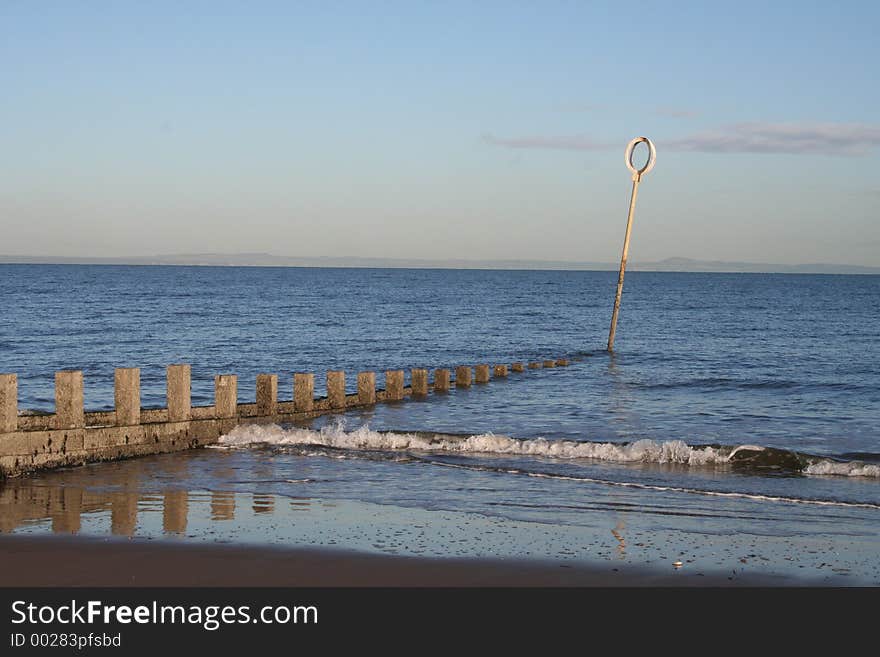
x=671 y=264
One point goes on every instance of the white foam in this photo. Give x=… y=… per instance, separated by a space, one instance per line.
x=846 y=469
x=641 y=451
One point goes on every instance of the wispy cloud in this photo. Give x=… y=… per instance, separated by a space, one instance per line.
x=796 y=138
x=849 y=139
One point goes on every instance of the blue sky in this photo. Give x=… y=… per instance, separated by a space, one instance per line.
x=440 y=130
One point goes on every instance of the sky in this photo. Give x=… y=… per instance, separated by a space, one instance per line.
x=476 y=130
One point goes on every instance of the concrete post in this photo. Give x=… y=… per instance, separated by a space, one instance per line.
x=517 y=367
x=500 y=370
x=69 y=413
x=267 y=394
x=419 y=382
x=482 y=374
x=462 y=376
x=303 y=392
x=366 y=387
x=8 y=403
x=336 y=388
x=127 y=393
x=549 y=363
x=534 y=366
x=179 y=392
x=441 y=380
x=225 y=395
x=394 y=385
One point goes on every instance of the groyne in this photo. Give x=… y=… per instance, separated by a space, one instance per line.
x=73 y=436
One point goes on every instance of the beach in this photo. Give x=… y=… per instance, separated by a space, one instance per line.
x=152 y=522
x=694 y=455
x=92 y=562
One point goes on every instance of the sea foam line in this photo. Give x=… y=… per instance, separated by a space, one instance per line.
x=641 y=451
x=673 y=489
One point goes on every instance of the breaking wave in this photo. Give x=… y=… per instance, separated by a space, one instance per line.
x=752 y=457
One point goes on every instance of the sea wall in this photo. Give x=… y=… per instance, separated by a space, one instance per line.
x=73 y=436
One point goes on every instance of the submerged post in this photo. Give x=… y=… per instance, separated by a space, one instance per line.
x=441 y=380
x=419 y=378
x=636 y=178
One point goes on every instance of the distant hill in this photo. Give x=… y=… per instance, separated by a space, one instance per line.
x=269 y=260
x=688 y=264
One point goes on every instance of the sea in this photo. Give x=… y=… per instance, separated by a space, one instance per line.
x=733 y=429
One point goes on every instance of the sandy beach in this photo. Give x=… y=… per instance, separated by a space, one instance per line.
x=82 y=561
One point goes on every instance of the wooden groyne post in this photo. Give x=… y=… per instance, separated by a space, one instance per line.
x=8 y=403
x=72 y=436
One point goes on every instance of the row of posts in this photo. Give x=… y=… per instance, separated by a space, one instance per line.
x=70 y=413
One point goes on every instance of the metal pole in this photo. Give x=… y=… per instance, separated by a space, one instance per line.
x=636 y=178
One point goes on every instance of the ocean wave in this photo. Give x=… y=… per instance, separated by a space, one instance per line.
x=676 y=452
x=845 y=468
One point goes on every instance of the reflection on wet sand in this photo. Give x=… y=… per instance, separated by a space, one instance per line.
x=34 y=506
x=300 y=503
x=123 y=513
x=222 y=505
x=263 y=503
x=617 y=532
x=62 y=506
x=174 y=509
x=142 y=497
x=66 y=510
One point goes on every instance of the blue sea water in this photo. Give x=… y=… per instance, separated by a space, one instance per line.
x=790 y=362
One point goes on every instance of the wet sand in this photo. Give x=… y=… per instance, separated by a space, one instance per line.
x=246 y=518
x=55 y=561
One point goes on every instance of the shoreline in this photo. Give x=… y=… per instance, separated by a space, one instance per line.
x=81 y=561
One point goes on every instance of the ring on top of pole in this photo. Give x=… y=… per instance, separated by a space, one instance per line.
x=628 y=157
